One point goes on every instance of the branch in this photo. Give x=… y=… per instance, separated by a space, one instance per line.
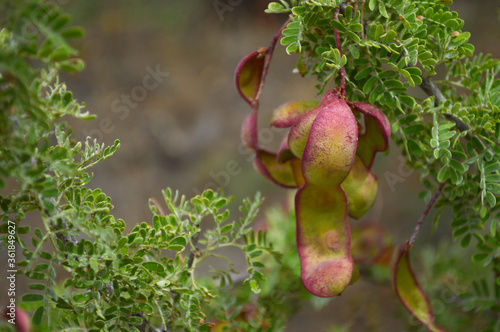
x=194 y=250
x=424 y=215
x=431 y=89
x=428 y=86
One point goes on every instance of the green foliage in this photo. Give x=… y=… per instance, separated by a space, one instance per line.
x=118 y=279
x=390 y=46
x=282 y=292
x=150 y=275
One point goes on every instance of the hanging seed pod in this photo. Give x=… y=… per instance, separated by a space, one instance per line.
x=249 y=77
x=321 y=205
x=361 y=185
x=409 y=290
x=322 y=157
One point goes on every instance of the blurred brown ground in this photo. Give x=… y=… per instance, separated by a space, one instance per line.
x=184 y=134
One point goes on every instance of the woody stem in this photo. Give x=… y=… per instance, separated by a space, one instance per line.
x=426 y=212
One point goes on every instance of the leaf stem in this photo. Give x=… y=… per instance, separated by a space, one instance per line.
x=339 y=47
x=361 y=19
x=424 y=215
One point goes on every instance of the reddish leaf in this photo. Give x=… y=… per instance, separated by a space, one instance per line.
x=409 y=290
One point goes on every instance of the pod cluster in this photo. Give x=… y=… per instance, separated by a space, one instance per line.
x=327 y=154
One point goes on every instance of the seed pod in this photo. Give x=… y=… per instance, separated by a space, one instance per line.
x=323 y=235
x=371 y=244
x=249 y=78
x=286 y=114
x=376 y=134
x=361 y=188
x=361 y=185
x=409 y=290
x=299 y=132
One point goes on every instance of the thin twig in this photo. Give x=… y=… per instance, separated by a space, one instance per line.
x=339 y=47
x=361 y=18
x=424 y=215
x=269 y=55
x=158 y=206
x=193 y=250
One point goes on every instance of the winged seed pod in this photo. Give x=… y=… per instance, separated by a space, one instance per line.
x=361 y=185
x=321 y=206
x=321 y=155
x=409 y=290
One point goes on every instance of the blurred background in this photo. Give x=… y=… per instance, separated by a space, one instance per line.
x=159 y=76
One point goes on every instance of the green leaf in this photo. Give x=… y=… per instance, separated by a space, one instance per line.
x=299 y=10
x=72 y=32
x=372 y=4
x=494 y=188
x=408 y=76
x=382 y=9
x=292 y=48
x=23 y=230
x=477 y=258
x=466 y=241
x=154 y=267
x=36 y=286
x=51 y=192
x=226 y=229
x=32 y=297
x=460 y=231
x=93 y=263
x=410 y=118
x=356 y=27
x=177 y=243
x=459 y=167
x=492 y=201
x=363 y=73
x=255 y=254
x=369 y=84
x=354 y=51
x=121 y=242
x=37 y=316
x=414 y=128
x=389 y=37
x=443 y=173
x=339 y=26
x=254 y=287
x=354 y=37
x=275 y=7
x=288 y=40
